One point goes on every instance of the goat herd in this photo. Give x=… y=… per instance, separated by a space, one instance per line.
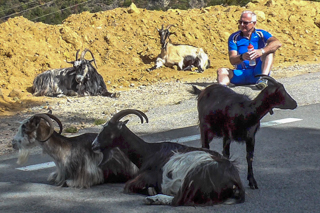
x=168 y=173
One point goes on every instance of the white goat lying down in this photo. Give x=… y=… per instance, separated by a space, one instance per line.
x=77 y=165
x=184 y=56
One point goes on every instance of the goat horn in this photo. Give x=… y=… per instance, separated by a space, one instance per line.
x=268 y=78
x=77 y=55
x=170 y=25
x=70 y=62
x=47 y=118
x=93 y=59
x=126 y=112
x=57 y=120
x=83 y=53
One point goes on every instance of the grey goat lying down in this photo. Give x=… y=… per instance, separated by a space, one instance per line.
x=172 y=173
x=79 y=80
x=76 y=164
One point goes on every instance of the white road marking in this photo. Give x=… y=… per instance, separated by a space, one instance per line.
x=281 y=121
x=178 y=140
x=37 y=166
x=264 y=124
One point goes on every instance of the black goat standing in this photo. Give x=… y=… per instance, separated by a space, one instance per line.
x=235 y=117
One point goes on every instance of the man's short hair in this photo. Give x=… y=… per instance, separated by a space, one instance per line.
x=253 y=15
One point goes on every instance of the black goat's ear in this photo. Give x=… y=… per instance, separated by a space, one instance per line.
x=50 y=112
x=120 y=124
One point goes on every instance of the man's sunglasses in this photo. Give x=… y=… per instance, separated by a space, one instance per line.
x=244 y=22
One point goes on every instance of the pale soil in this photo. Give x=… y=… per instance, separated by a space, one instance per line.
x=81 y=112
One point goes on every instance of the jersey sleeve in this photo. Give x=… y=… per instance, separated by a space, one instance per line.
x=231 y=44
x=266 y=35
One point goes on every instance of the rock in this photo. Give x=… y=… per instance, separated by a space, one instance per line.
x=15 y=94
x=133 y=9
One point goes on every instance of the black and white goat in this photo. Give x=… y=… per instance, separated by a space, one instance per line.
x=235 y=117
x=77 y=165
x=81 y=79
x=184 y=56
x=184 y=175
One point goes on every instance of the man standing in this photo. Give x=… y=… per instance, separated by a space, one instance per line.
x=265 y=46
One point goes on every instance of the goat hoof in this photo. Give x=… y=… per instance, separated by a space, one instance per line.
x=253 y=186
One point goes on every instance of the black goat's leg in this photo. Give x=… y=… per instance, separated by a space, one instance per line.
x=250 y=151
x=206 y=136
x=226 y=147
x=144 y=183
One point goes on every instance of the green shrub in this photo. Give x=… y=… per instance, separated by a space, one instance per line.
x=99 y=122
x=71 y=129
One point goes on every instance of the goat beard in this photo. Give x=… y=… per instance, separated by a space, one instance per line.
x=23 y=156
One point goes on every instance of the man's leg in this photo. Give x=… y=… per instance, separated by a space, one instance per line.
x=267 y=62
x=224 y=75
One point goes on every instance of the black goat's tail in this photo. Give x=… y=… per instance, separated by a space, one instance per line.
x=195 y=90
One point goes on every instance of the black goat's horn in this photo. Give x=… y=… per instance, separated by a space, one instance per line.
x=83 y=54
x=126 y=112
x=77 y=55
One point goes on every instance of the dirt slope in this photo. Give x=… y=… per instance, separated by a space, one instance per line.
x=125 y=43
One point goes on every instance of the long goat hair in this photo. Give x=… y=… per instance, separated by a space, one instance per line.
x=76 y=164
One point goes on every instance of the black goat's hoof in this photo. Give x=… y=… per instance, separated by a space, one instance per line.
x=253 y=185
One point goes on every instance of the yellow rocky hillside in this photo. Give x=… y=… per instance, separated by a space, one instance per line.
x=125 y=42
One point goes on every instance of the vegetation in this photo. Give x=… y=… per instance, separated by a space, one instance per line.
x=55 y=11
x=99 y=122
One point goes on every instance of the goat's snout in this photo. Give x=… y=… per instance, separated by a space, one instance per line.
x=14 y=144
x=79 y=78
x=289 y=103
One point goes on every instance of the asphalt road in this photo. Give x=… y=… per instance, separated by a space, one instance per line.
x=286 y=164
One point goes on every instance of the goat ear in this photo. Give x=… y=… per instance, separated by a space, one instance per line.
x=32 y=124
x=50 y=112
x=120 y=124
x=174 y=33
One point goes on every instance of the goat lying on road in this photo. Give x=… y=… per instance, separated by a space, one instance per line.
x=185 y=56
x=185 y=175
x=77 y=165
x=225 y=113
